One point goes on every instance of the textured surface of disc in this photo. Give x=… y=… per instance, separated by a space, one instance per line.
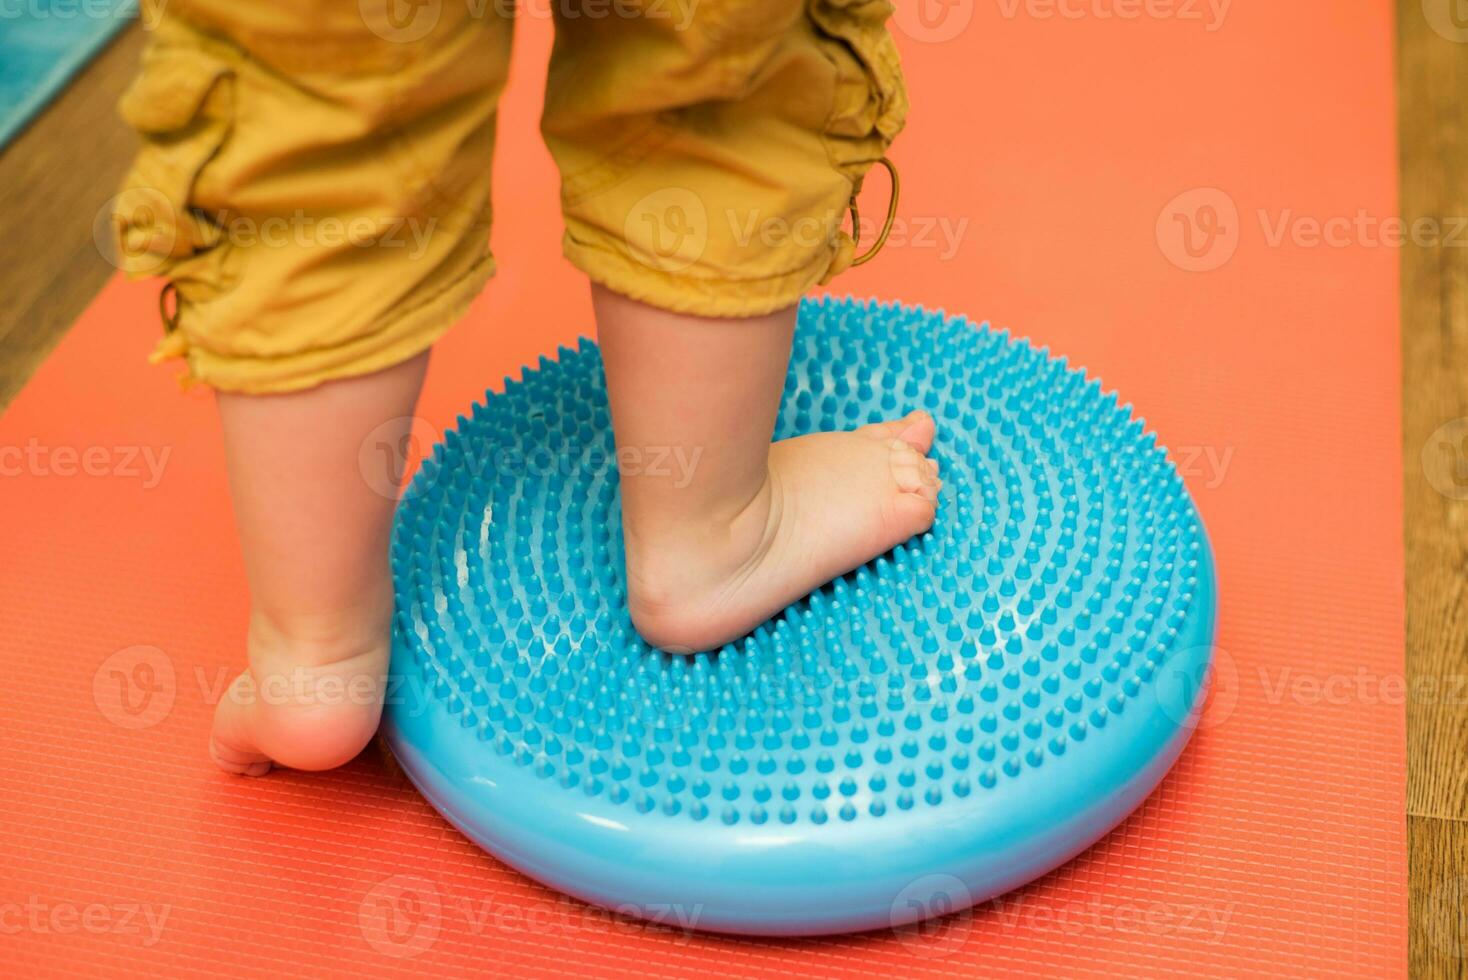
x=943 y=724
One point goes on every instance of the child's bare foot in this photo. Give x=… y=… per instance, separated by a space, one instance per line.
x=831 y=501
x=304 y=704
x=747 y=527
x=314 y=524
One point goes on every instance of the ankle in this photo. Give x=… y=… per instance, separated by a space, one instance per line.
x=671 y=620
x=312 y=696
x=679 y=569
x=322 y=637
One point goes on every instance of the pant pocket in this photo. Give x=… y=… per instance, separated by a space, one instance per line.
x=871 y=98
x=182 y=106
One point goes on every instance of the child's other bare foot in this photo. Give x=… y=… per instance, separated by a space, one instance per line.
x=314 y=533
x=304 y=703
x=831 y=501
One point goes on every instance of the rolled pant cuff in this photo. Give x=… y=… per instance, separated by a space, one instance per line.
x=677 y=291
x=412 y=330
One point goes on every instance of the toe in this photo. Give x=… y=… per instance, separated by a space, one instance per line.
x=913 y=472
x=230 y=743
x=919 y=430
x=235 y=761
x=911 y=513
x=915 y=428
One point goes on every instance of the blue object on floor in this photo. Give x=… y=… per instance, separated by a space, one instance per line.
x=42 y=44
x=941 y=725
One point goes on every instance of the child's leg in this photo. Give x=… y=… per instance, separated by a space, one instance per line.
x=708 y=164
x=314 y=533
x=373 y=145
x=722 y=528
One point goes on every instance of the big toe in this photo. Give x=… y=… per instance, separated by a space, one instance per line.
x=917 y=429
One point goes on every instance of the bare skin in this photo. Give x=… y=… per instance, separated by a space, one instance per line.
x=714 y=547
x=715 y=550
x=314 y=532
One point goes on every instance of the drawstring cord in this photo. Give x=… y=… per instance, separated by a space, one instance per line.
x=170 y=320
x=886 y=225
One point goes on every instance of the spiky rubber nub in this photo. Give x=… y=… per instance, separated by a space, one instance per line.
x=945 y=723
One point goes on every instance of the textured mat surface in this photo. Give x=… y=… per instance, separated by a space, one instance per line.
x=42 y=44
x=1276 y=845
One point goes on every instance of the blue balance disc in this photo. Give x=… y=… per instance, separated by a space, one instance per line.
x=941 y=725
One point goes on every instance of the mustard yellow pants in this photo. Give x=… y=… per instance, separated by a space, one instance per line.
x=314 y=180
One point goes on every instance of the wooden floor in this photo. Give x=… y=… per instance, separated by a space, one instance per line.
x=51 y=264
x=1433 y=133
x=52 y=268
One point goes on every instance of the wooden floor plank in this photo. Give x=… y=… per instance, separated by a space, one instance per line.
x=54 y=179
x=1438 y=914
x=1433 y=73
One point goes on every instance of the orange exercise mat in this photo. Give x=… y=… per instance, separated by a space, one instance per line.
x=1189 y=199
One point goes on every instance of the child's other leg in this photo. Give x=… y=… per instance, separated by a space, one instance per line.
x=724 y=529
x=372 y=143
x=314 y=533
